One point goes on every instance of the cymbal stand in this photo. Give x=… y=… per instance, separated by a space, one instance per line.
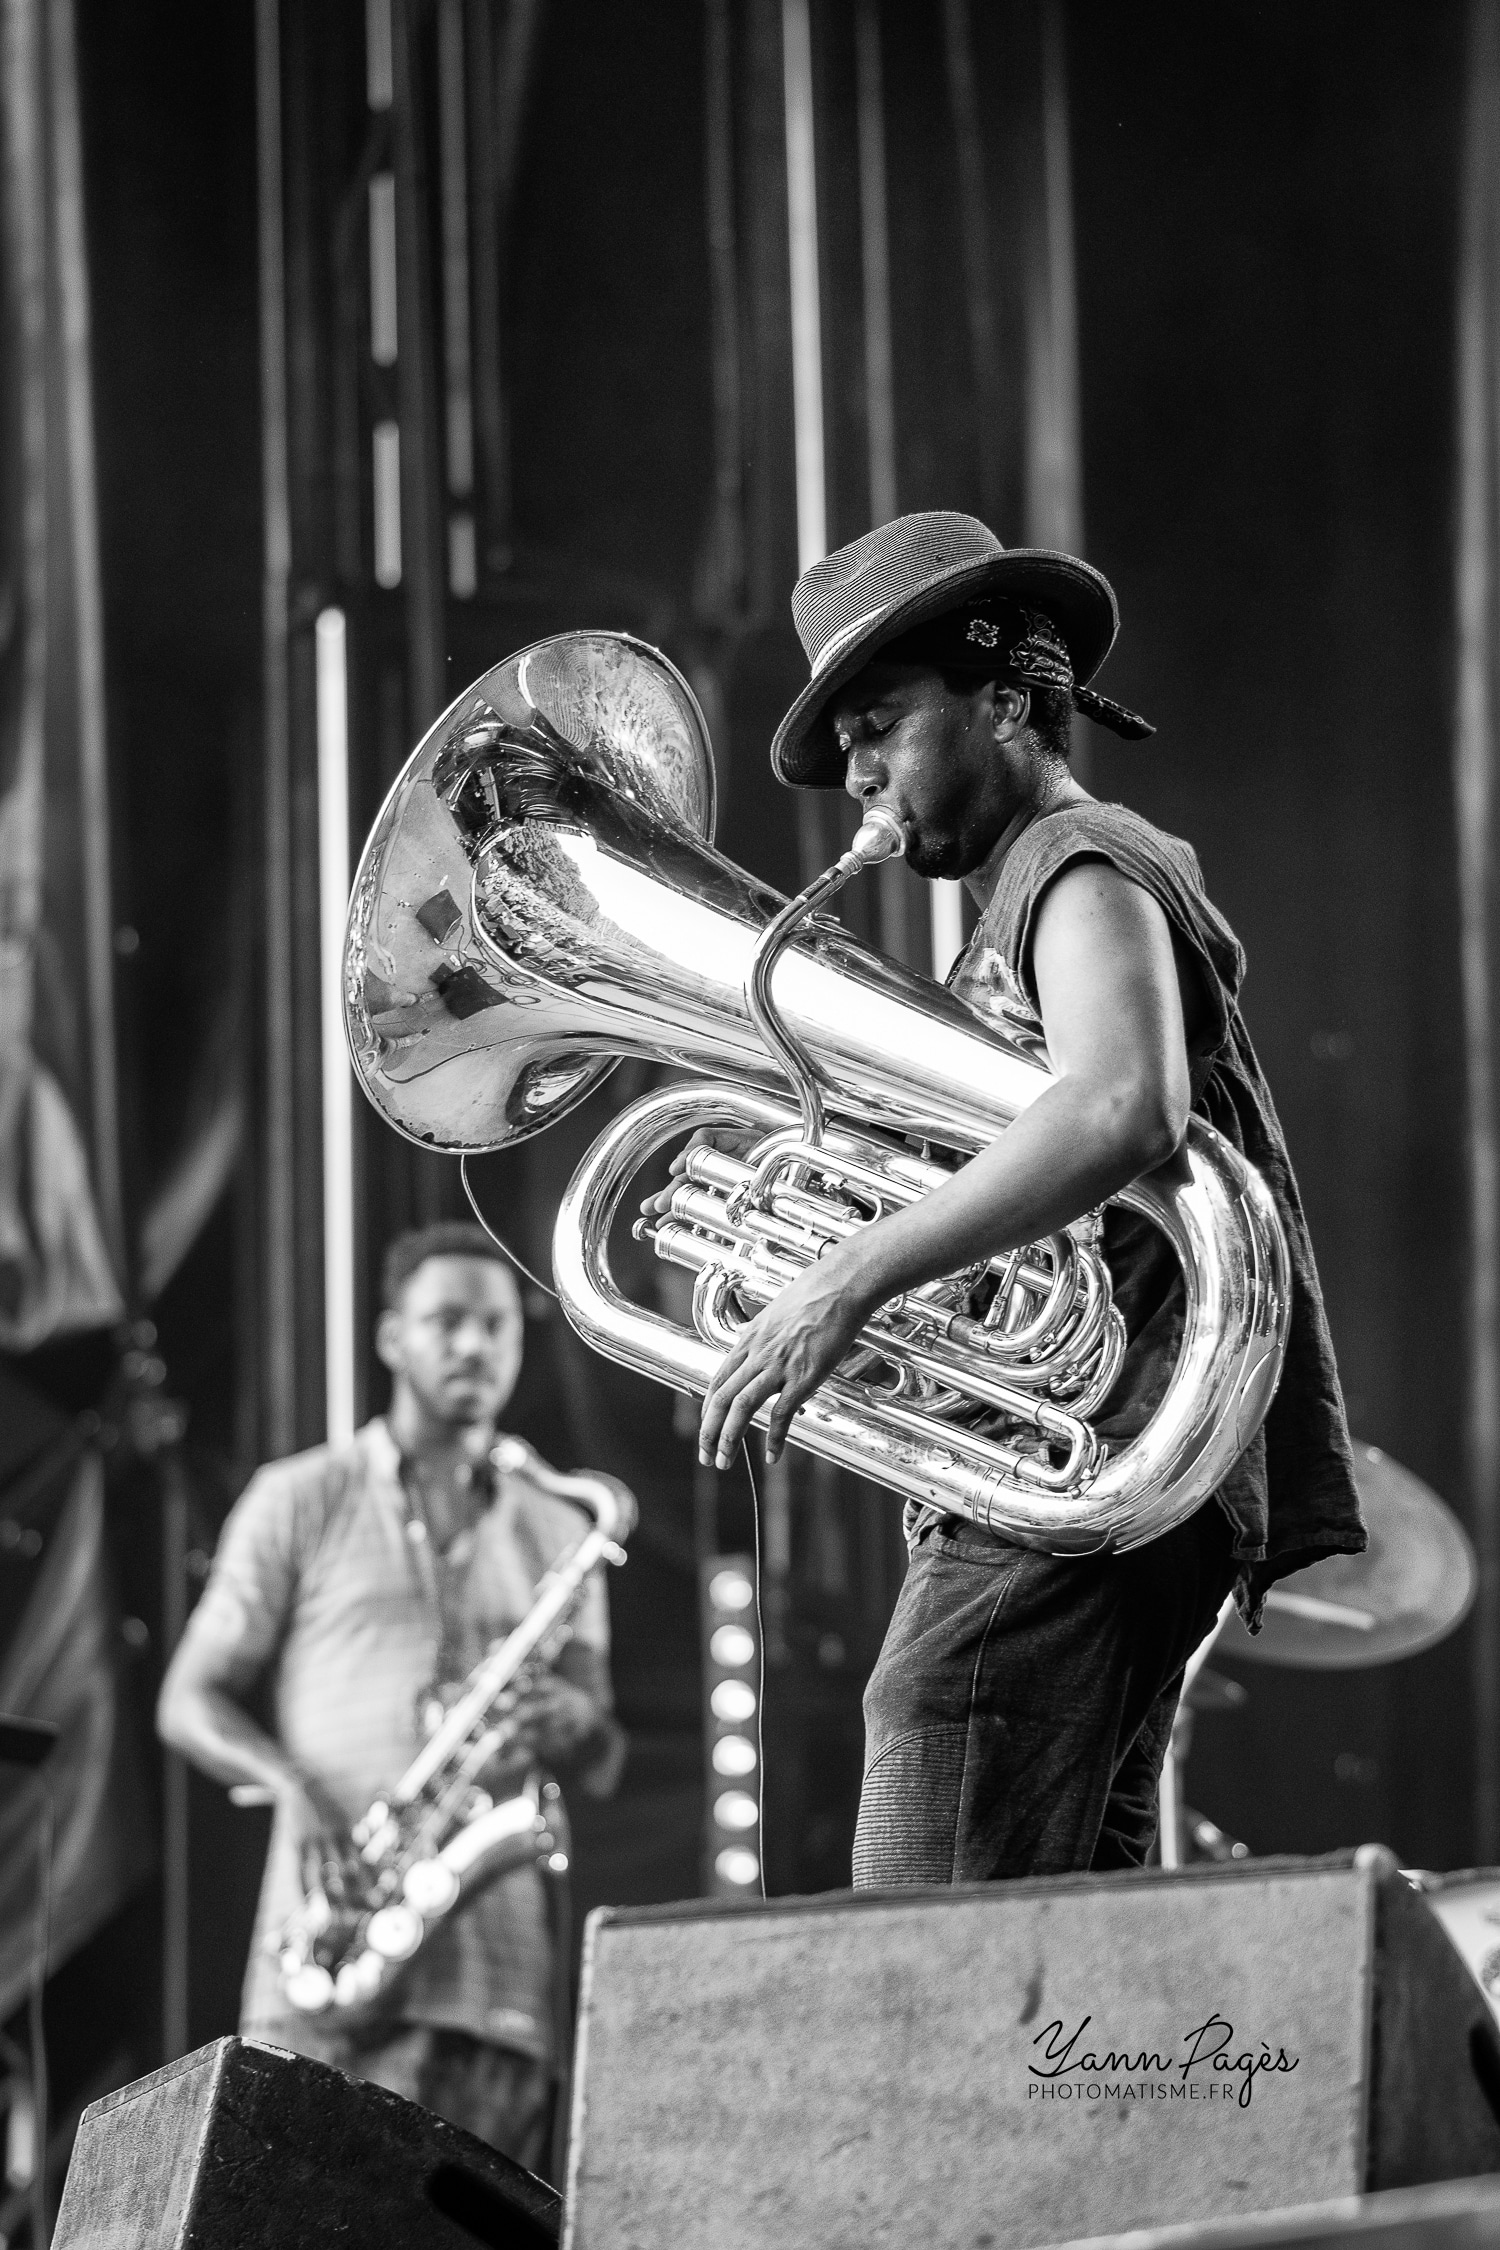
x=1169 y=1798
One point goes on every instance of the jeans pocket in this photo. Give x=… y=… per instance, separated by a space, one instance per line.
x=966 y=1542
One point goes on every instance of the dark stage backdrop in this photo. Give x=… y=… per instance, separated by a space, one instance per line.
x=1266 y=232
x=1264 y=213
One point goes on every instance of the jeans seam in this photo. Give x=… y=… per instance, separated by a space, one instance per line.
x=963 y=1773
x=911 y=1734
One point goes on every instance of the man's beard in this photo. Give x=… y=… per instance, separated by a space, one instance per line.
x=936 y=859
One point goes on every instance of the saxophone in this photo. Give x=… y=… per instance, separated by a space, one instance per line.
x=540 y=896
x=437 y=1837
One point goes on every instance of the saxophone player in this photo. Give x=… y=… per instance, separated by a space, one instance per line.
x=1017 y=1717
x=359 y=1584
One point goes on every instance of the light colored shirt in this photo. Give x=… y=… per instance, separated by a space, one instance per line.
x=324 y=1578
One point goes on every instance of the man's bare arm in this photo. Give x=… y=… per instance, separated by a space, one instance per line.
x=1112 y=1009
x=201 y=1713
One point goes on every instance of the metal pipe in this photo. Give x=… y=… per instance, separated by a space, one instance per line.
x=1475 y=564
x=457 y=339
x=96 y=904
x=339 y=1341
x=175 y=1884
x=807 y=316
x=420 y=484
x=278 y=1172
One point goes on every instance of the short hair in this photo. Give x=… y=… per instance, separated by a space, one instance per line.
x=1050 y=718
x=448 y=1238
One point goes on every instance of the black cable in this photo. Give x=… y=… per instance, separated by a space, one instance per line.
x=499 y=1241
x=760 y=1700
x=36 y=2024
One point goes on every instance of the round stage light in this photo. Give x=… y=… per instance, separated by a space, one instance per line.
x=733 y=1701
x=731 y=1644
x=736 y=1810
x=733 y=1755
x=730 y=1589
x=737 y=1865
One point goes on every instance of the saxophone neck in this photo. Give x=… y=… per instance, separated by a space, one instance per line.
x=610 y=1503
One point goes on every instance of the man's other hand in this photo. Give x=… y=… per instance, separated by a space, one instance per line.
x=793 y=1344
x=319 y=1836
x=737 y=1141
x=553 y=1718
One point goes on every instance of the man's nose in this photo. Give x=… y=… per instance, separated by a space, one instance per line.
x=472 y=1339
x=864 y=776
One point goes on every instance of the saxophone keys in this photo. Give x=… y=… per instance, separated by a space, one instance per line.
x=430 y=1887
x=394 y=1933
x=316 y=1915
x=308 y=1987
x=358 y=1980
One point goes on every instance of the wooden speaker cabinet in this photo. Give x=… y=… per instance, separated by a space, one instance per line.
x=1012 y=2064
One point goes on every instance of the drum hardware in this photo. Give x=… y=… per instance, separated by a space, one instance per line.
x=1413 y=1585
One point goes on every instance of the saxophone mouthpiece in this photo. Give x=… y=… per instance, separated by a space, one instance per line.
x=879 y=836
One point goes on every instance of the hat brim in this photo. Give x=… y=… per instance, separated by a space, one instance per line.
x=1078 y=599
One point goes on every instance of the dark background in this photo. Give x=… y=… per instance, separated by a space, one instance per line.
x=1265 y=226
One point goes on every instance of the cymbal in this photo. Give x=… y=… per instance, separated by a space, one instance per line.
x=1213 y=1691
x=1413 y=1584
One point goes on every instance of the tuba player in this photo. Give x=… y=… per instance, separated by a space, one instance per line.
x=360 y=1584
x=1018 y=1715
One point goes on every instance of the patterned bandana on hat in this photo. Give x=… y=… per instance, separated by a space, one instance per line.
x=1024 y=645
x=1029 y=614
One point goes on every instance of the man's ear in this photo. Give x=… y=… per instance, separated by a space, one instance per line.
x=1010 y=710
x=388 y=1340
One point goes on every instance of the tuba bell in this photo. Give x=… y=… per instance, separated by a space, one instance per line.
x=540 y=896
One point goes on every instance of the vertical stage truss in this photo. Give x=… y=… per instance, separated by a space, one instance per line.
x=391 y=178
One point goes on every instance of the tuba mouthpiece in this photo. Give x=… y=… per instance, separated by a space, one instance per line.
x=879 y=836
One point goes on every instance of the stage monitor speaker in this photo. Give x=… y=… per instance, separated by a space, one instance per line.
x=1453 y=2215
x=1012 y=2064
x=243 y=2146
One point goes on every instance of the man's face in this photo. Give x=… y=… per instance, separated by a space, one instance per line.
x=455 y=1338
x=929 y=755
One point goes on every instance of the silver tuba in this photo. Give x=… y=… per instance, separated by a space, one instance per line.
x=437 y=1836
x=540 y=896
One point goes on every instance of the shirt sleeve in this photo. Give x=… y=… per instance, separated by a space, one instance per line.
x=253 y=1583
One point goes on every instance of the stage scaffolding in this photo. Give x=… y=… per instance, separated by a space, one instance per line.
x=401 y=143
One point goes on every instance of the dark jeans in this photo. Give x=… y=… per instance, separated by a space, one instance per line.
x=1019 y=1712
x=495 y=2093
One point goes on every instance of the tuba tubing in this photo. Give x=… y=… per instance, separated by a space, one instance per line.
x=540 y=897
x=1216 y=1212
